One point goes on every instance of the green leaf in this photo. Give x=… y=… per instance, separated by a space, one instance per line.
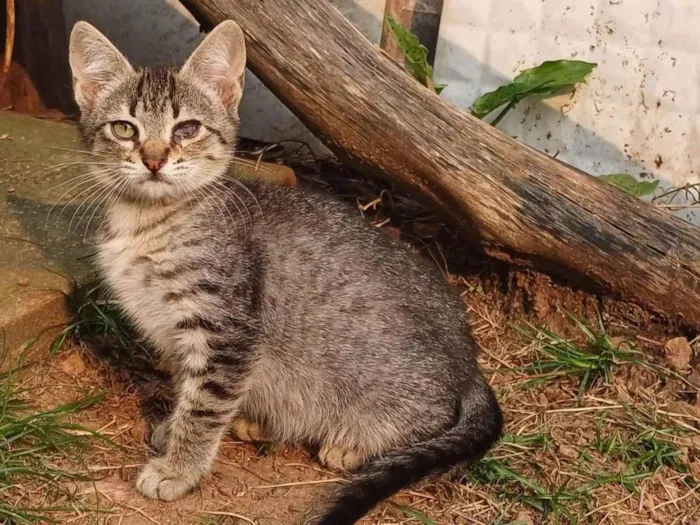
x=546 y=80
x=629 y=184
x=414 y=514
x=416 y=55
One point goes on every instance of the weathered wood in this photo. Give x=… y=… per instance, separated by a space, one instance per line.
x=521 y=203
x=38 y=79
x=9 y=23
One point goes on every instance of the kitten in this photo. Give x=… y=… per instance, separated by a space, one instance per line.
x=279 y=311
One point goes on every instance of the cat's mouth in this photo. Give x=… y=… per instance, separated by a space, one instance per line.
x=156 y=178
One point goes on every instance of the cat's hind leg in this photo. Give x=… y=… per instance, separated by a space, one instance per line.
x=248 y=431
x=336 y=457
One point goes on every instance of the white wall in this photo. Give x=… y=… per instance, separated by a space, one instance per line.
x=640 y=109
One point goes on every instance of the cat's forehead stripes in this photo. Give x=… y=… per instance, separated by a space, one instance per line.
x=156 y=91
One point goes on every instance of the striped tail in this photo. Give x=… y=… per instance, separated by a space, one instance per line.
x=478 y=428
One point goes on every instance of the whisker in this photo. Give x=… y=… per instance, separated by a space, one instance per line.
x=86 y=174
x=123 y=187
x=92 y=202
x=248 y=162
x=233 y=198
x=245 y=188
x=217 y=200
x=236 y=199
x=116 y=187
x=72 y=179
x=231 y=190
x=179 y=184
x=58 y=201
x=98 y=183
x=62 y=165
x=83 y=151
x=203 y=208
x=237 y=160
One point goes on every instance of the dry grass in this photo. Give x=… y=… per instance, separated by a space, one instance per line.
x=34 y=443
x=588 y=440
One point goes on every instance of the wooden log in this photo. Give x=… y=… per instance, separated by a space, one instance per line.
x=38 y=78
x=9 y=23
x=522 y=204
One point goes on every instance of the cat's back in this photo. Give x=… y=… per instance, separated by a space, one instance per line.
x=321 y=233
x=327 y=266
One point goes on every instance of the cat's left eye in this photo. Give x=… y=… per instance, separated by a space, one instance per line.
x=186 y=130
x=123 y=130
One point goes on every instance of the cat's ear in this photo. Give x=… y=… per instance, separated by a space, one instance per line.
x=95 y=63
x=219 y=63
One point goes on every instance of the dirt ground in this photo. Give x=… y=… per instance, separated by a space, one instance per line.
x=625 y=449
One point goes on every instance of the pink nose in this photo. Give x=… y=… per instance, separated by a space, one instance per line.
x=154 y=163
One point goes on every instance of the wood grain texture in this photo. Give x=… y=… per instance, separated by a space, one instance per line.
x=522 y=204
x=9 y=40
x=38 y=79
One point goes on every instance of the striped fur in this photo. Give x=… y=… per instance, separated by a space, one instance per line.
x=273 y=306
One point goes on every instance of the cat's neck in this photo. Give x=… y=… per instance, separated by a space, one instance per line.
x=128 y=218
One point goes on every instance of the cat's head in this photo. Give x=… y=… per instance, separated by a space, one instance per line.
x=159 y=134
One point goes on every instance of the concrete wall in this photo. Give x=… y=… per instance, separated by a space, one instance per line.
x=639 y=112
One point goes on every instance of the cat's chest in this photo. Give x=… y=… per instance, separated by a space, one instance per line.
x=139 y=279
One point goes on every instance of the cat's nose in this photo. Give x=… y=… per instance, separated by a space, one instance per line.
x=154 y=155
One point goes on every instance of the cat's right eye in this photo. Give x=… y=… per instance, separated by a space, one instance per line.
x=123 y=130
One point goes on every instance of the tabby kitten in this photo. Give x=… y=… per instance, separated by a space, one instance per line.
x=278 y=310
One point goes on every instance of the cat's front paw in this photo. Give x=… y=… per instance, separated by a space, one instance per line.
x=158 y=480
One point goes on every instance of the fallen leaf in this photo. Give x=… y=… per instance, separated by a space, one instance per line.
x=695 y=469
x=695 y=441
x=678 y=353
x=139 y=430
x=541 y=304
x=680 y=407
x=74 y=365
x=648 y=501
x=630 y=185
x=619 y=466
x=546 y=80
x=568 y=452
x=694 y=378
x=523 y=518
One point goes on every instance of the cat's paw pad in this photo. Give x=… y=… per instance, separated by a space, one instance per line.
x=248 y=431
x=158 y=480
x=159 y=437
x=339 y=458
